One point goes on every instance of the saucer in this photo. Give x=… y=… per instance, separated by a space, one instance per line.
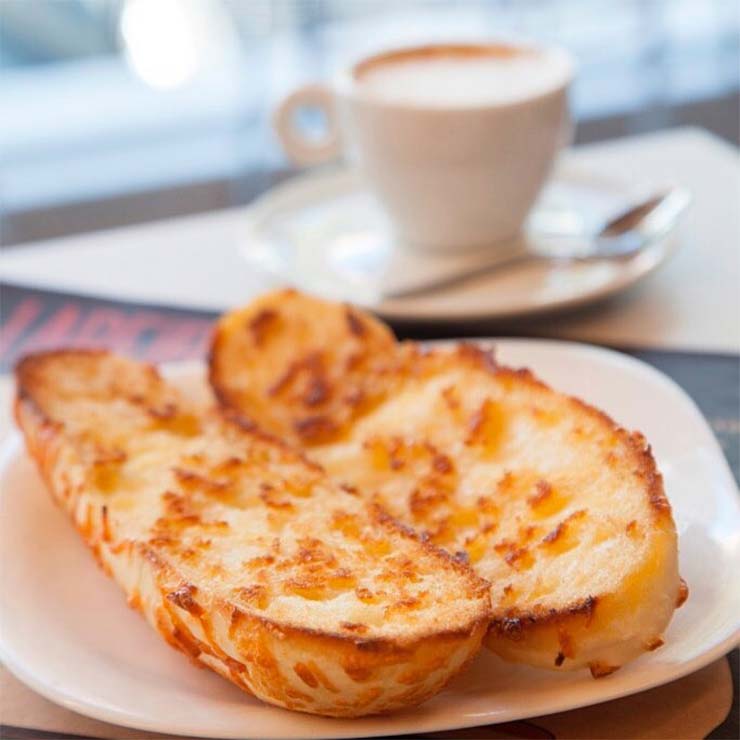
x=324 y=232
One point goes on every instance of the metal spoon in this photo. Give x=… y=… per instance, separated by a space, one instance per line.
x=620 y=237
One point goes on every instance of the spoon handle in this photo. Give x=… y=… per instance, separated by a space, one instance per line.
x=465 y=273
x=621 y=238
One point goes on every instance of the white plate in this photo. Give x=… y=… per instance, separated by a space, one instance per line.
x=67 y=633
x=325 y=233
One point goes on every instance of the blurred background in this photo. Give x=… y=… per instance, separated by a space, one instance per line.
x=121 y=111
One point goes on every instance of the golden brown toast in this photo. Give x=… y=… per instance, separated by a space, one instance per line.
x=560 y=509
x=305 y=396
x=239 y=551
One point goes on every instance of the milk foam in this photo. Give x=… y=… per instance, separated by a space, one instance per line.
x=455 y=80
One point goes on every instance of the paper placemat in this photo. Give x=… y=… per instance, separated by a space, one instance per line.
x=690 y=303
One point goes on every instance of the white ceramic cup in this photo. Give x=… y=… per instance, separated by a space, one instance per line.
x=451 y=177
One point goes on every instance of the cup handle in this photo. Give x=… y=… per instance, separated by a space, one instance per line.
x=300 y=149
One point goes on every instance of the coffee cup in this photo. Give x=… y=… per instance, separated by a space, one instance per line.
x=455 y=140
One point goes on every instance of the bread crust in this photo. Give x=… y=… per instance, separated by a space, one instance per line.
x=419 y=396
x=279 y=660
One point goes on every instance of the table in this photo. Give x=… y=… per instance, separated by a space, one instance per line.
x=153 y=290
x=692 y=303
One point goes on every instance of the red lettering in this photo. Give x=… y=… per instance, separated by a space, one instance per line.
x=20 y=319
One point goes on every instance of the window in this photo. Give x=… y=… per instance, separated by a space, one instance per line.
x=109 y=97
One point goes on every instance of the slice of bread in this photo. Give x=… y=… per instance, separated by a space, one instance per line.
x=560 y=509
x=239 y=551
x=262 y=361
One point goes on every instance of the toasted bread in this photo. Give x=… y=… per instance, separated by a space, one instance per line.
x=239 y=551
x=560 y=509
x=305 y=396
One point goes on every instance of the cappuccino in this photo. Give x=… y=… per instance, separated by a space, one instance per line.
x=455 y=140
x=462 y=76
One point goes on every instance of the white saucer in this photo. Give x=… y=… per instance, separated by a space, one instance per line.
x=324 y=232
x=66 y=630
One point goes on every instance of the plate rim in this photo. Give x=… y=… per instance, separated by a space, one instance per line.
x=324 y=183
x=12 y=449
